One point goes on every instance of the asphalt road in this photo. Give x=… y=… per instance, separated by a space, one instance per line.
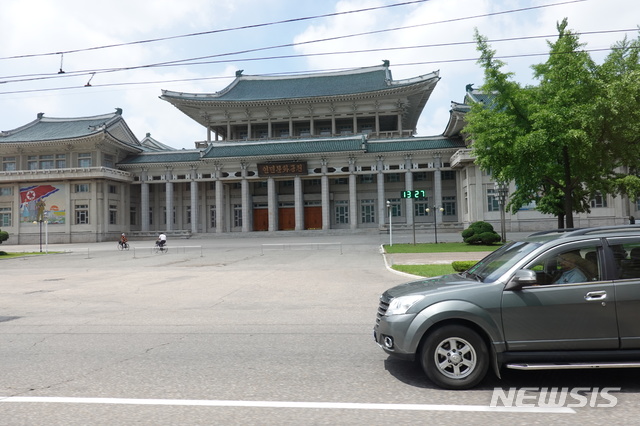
x=251 y=331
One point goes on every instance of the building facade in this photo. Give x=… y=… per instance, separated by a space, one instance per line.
x=329 y=151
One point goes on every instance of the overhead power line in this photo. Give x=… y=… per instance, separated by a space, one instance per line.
x=189 y=61
x=196 y=34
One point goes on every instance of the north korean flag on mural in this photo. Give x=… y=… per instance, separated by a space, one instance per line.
x=32 y=193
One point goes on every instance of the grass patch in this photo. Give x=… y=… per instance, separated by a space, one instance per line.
x=425 y=270
x=438 y=248
x=5 y=255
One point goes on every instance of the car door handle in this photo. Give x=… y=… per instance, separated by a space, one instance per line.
x=596 y=295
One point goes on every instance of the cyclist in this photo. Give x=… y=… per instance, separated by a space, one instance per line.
x=123 y=240
x=162 y=240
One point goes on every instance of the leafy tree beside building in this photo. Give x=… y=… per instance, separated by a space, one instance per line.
x=573 y=135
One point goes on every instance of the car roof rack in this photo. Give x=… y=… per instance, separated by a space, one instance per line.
x=573 y=232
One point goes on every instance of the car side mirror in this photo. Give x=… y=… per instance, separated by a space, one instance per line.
x=522 y=278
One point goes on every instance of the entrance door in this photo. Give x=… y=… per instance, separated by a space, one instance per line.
x=313 y=217
x=261 y=219
x=286 y=219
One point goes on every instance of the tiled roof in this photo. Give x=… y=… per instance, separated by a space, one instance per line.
x=174 y=156
x=356 y=143
x=256 y=88
x=307 y=146
x=50 y=129
x=413 y=144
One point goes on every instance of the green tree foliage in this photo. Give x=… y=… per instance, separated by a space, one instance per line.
x=4 y=236
x=573 y=135
x=480 y=233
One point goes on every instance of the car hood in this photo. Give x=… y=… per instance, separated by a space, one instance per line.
x=428 y=285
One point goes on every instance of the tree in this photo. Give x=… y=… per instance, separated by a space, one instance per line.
x=4 y=236
x=569 y=137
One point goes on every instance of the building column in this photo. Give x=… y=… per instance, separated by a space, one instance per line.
x=144 y=202
x=219 y=206
x=169 y=199
x=326 y=202
x=298 y=199
x=437 y=189
x=408 y=186
x=195 y=207
x=245 y=199
x=382 y=202
x=353 y=195
x=272 y=204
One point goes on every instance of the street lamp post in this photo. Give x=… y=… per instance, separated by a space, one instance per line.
x=390 y=225
x=503 y=190
x=435 y=219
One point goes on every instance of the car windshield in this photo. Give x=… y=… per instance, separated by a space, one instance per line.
x=497 y=263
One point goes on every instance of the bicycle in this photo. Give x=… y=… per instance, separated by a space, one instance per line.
x=123 y=246
x=160 y=248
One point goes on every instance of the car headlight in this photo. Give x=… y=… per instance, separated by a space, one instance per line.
x=400 y=305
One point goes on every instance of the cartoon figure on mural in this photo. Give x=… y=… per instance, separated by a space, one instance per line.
x=40 y=205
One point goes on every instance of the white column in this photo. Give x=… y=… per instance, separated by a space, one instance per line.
x=298 y=203
x=144 y=202
x=382 y=202
x=245 y=200
x=169 y=200
x=194 y=203
x=408 y=185
x=353 y=195
x=326 y=202
x=220 y=200
x=437 y=189
x=272 y=204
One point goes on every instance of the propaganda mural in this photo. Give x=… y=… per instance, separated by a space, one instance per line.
x=42 y=202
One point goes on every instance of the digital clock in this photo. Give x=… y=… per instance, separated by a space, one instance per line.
x=416 y=193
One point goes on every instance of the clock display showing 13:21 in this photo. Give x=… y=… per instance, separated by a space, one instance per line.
x=416 y=193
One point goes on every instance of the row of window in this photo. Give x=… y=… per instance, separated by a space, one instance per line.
x=598 y=200
x=55 y=161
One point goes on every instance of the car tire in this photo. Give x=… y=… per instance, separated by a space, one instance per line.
x=455 y=357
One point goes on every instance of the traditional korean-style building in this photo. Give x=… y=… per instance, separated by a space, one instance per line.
x=324 y=152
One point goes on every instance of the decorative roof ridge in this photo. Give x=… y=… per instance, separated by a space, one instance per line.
x=257 y=77
x=109 y=119
x=275 y=141
x=417 y=79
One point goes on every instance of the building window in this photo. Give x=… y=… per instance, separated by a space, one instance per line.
x=150 y=215
x=420 y=207
x=8 y=164
x=341 y=181
x=113 y=189
x=237 y=215
x=82 y=187
x=493 y=201
x=419 y=176
x=394 y=177
x=396 y=207
x=342 y=211
x=188 y=214
x=598 y=200
x=61 y=161
x=449 y=206
x=6 y=190
x=448 y=175
x=113 y=215
x=82 y=214
x=84 y=159
x=133 y=215
x=108 y=160
x=212 y=216
x=5 y=216
x=367 y=179
x=368 y=211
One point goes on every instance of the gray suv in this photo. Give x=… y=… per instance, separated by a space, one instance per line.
x=563 y=299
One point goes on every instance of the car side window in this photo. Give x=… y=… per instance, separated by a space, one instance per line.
x=626 y=258
x=567 y=266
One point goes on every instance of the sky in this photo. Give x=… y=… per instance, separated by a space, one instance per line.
x=112 y=52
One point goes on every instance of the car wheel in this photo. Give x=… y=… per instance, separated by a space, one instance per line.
x=455 y=357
